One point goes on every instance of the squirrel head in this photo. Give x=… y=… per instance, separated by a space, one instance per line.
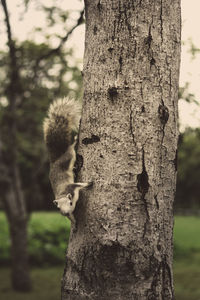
x=65 y=204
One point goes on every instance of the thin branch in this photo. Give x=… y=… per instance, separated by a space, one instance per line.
x=14 y=93
x=7 y=21
x=14 y=86
x=63 y=40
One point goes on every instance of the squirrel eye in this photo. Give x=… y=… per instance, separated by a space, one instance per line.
x=70 y=203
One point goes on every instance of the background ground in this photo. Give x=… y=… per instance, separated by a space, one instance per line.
x=48 y=235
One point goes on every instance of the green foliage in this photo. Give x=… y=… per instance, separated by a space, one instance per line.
x=188 y=192
x=45 y=73
x=186 y=95
x=193 y=49
x=5 y=242
x=48 y=235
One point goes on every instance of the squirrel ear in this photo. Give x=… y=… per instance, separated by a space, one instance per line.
x=69 y=196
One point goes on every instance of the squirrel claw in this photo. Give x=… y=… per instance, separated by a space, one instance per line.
x=90 y=184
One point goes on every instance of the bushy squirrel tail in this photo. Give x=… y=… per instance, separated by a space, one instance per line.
x=61 y=126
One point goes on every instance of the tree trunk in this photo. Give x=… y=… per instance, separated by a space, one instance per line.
x=17 y=219
x=11 y=184
x=122 y=245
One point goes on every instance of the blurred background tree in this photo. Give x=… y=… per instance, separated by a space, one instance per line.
x=187 y=200
x=188 y=192
x=32 y=75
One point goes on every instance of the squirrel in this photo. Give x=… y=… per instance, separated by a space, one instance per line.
x=61 y=128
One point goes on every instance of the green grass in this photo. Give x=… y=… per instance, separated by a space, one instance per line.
x=48 y=236
x=46 y=285
x=187 y=258
x=187 y=232
x=187 y=280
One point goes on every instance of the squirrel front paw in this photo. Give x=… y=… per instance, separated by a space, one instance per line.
x=90 y=184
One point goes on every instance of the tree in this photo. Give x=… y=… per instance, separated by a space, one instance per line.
x=14 y=197
x=188 y=194
x=31 y=81
x=121 y=247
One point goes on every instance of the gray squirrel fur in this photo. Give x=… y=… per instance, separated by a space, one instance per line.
x=60 y=134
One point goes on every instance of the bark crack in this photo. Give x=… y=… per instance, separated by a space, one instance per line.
x=93 y=139
x=143 y=184
x=78 y=165
x=148 y=42
x=141 y=92
x=161 y=20
x=149 y=38
x=131 y=127
x=156 y=200
x=171 y=87
x=163 y=113
x=166 y=277
x=120 y=64
x=113 y=93
x=143 y=187
x=99 y=6
x=175 y=161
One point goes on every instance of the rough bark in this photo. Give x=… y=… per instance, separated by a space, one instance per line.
x=122 y=246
